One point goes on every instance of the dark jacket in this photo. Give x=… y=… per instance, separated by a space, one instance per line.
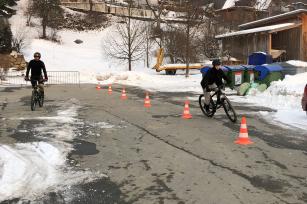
x=214 y=76
x=36 y=69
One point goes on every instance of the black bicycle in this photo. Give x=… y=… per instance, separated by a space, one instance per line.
x=217 y=100
x=37 y=97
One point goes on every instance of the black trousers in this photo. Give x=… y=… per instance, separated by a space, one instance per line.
x=40 y=81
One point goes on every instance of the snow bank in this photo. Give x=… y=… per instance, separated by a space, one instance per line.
x=29 y=170
x=158 y=82
x=284 y=96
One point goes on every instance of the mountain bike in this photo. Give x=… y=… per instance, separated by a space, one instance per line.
x=37 y=96
x=217 y=100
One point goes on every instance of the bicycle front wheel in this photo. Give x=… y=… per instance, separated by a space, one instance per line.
x=230 y=112
x=33 y=101
x=41 y=99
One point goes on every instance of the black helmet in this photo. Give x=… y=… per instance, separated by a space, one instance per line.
x=216 y=62
x=37 y=54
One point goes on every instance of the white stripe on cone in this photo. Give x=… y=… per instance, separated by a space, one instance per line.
x=243 y=135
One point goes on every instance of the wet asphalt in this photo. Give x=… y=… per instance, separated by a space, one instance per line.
x=154 y=156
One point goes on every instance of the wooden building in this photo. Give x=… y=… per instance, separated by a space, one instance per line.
x=231 y=18
x=284 y=33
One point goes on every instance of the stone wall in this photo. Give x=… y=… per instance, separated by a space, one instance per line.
x=13 y=60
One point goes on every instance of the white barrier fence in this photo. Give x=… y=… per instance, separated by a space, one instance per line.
x=54 y=77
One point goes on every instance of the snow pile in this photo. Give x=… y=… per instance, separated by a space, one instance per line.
x=284 y=96
x=297 y=63
x=158 y=82
x=29 y=170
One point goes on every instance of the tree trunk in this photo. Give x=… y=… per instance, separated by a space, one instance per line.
x=91 y=5
x=147 y=52
x=29 y=19
x=187 y=50
x=129 y=38
x=130 y=68
x=44 y=24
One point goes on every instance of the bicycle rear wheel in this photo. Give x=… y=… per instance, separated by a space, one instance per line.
x=212 y=109
x=230 y=112
x=33 y=100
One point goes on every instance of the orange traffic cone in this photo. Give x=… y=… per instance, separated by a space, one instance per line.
x=243 y=136
x=147 y=101
x=124 y=95
x=110 y=90
x=186 y=111
x=98 y=86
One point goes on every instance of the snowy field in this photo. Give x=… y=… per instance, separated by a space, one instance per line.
x=96 y=67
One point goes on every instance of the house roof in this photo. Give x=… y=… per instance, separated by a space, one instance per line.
x=272 y=19
x=267 y=29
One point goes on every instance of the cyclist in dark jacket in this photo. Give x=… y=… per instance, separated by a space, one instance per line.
x=36 y=66
x=212 y=80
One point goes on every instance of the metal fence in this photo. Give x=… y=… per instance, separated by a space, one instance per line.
x=54 y=77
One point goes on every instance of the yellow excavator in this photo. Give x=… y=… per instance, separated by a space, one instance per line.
x=170 y=69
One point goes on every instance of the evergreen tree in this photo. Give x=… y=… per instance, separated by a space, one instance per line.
x=5 y=36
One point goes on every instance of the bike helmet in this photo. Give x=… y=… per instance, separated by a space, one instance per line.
x=37 y=54
x=216 y=62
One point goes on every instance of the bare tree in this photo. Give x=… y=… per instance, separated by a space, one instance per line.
x=173 y=44
x=194 y=15
x=29 y=12
x=49 y=11
x=130 y=46
x=20 y=38
x=157 y=10
x=208 y=44
x=149 y=42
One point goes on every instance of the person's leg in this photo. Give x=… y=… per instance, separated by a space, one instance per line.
x=206 y=96
x=213 y=87
x=33 y=82
x=41 y=87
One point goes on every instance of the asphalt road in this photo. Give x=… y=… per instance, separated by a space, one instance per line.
x=155 y=156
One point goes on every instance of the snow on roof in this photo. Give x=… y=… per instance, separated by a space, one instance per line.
x=255 y=30
x=229 y=3
x=259 y=5
x=262 y=4
x=273 y=17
